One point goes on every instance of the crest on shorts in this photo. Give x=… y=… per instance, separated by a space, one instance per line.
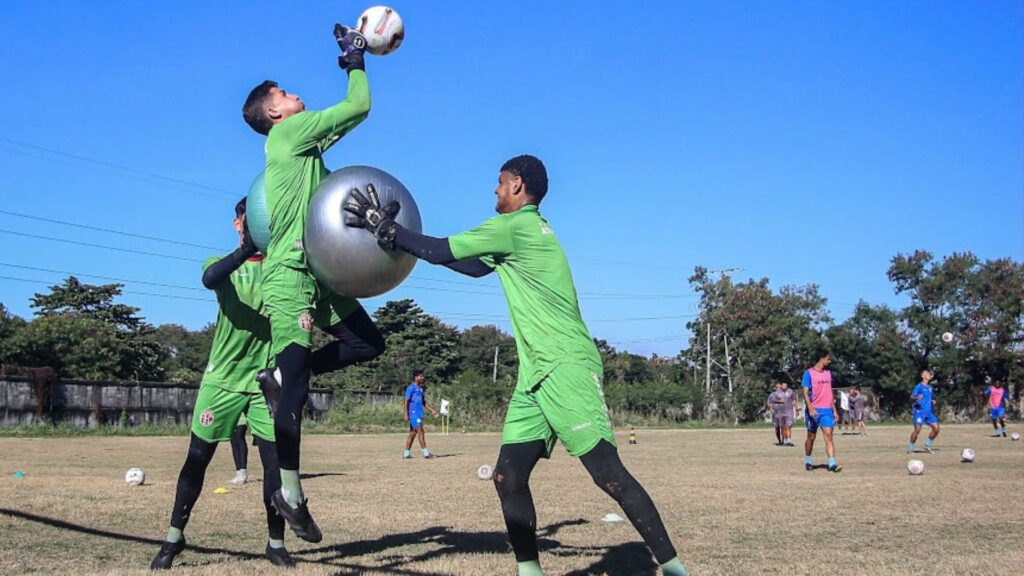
x=306 y=322
x=206 y=417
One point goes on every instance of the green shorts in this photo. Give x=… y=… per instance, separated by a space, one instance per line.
x=218 y=411
x=567 y=405
x=296 y=302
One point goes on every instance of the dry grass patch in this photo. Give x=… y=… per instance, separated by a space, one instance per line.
x=733 y=502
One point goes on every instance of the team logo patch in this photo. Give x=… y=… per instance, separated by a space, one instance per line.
x=206 y=417
x=306 y=322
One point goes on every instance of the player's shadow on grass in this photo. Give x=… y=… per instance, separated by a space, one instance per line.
x=311 y=475
x=63 y=525
x=68 y=526
x=631 y=559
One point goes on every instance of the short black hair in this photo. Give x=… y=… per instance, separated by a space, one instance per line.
x=533 y=173
x=253 y=109
x=820 y=351
x=240 y=207
x=416 y=373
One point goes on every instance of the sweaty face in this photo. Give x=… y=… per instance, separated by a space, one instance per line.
x=281 y=104
x=509 y=190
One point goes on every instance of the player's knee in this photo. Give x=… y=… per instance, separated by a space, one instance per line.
x=508 y=480
x=200 y=452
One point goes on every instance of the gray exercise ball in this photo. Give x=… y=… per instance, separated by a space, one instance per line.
x=348 y=260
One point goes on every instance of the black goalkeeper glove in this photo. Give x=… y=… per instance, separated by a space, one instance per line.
x=369 y=214
x=352 y=45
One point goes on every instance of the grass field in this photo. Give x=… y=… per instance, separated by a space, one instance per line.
x=733 y=501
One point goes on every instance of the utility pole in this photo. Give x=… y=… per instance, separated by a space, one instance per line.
x=728 y=371
x=707 y=356
x=494 y=374
x=707 y=377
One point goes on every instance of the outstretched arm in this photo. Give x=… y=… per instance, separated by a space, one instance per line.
x=438 y=251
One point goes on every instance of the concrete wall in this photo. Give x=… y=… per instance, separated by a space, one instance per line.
x=89 y=403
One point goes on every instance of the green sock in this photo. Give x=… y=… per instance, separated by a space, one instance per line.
x=174 y=535
x=291 y=487
x=275 y=543
x=531 y=568
x=673 y=568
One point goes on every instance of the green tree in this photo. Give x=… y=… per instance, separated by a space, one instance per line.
x=10 y=325
x=476 y=351
x=980 y=303
x=766 y=333
x=185 y=352
x=871 y=351
x=82 y=333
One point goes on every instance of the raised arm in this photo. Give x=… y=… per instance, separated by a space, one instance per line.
x=217 y=271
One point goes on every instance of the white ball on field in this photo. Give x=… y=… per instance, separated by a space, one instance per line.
x=1015 y=436
x=947 y=337
x=967 y=455
x=485 y=471
x=383 y=29
x=915 y=467
x=135 y=477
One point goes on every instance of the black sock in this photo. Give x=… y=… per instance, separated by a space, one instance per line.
x=293 y=363
x=512 y=480
x=610 y=475
x=271 y=484
x=190 y=480
x=239 y=450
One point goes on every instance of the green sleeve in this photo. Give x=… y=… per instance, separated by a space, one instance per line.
x=319 y=130
x=492 y=238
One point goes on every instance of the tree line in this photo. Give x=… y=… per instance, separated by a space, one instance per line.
x=758 y=335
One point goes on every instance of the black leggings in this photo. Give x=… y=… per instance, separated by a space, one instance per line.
x=512 y=477
x=357 y=340
x=239 y=449
x=193 y=472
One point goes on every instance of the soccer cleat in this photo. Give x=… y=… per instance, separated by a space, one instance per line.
x=241 y=477
x=298 y=518
x=165 y=557
x=808 y=467
x=279 y=557
x=836 y=468
x=270 y=388
x=929 y=450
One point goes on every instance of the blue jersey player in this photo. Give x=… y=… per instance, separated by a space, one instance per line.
x=414 y=404
x=924 y=412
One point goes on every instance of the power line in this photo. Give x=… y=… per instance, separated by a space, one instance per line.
x=133 y=293
x=180 y=181
x=157 y=284
x=89 y=244
x=109 y=231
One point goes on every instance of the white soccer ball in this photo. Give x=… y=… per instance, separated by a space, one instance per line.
x=1015 y=436
x=915 y=467
x=485 y=471
x=947 y=337
x=135 y=477
x=967 y=455
x=383 y=29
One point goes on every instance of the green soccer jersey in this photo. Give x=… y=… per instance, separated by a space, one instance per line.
x=535 y=276
x=241 y=341
x=295 y=167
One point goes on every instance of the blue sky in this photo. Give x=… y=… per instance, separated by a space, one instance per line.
x=802 y=141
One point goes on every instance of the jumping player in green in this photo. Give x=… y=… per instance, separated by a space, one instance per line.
x=241 y=347
x=558 y=394
x=296 y=141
